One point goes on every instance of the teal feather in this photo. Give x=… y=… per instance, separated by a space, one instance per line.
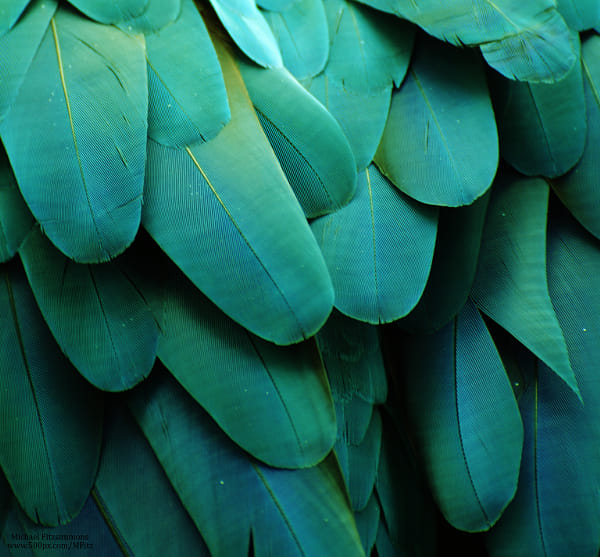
x=231 y=496
x=276 y=5
x=302 y=35
x=578 y=190
x=367 y=523
x=543 y=125
x=249 y=250
x=15 y=218
x=510 y=284
x=249 y=30
x=190 y=106
x=51 y=423
x=465 y=420
x=440 y=143
x=99 y=319
x=111 y=12
x=580 y=15
x=18 y=48
x=158 y=14
x=378 y=249
x=84 y=189
x=10 y=14
x=310 y=146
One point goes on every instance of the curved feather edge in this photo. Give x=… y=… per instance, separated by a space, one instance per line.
x=111 y=12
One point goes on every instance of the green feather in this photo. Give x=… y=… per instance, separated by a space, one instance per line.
x=10 y=14
x=465 y=420
x=580 y=15
x=302 y=35
x=51 y=419
x=76 y=137
x=578 y=189
x=96 y=315
x=159 y=14
x=249 y=249
x=378 y=249
x=276 y=5
x=231 y=496
x=184 y=107
x=367 y=523
x=310 y=146
x=542 y=127
x=510 y=283
x=440 y=144
x=18 y=48
x=111 y=12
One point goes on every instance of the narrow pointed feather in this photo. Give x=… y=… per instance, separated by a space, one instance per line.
x=302 y=35
x=528 y=41
x=111 y=12
x=367 y=523
x=187 y=106
x=362 y=116
x=10 y=13
x=453 y=268
x=230 y=495
x=510 y=283
x=225 y=214
x=51 y=422
x=249 y=30
x=310 y=145
x=76 y=136
x=580 y=15
x=96 y=315
x=578 y=189
x=15 y=218
x=18 y=48
x=369 y=51
x=136 y=499
x=157 y=15
x=440 y=143
x=273 y=401
x=378 y=249
x=560 y=463
x=465 y=420
x=542 y=126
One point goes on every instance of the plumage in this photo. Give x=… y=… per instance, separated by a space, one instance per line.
x=440 y=144
x=97 y=316
x=111 y=12
x=467 y=429
x=510 y=283
x=580 y=15
x=184 y=107
x=367 y=523
x=251 y=246
x=312 y=150
x=287 y=512
x=302 y=35
x=85 y=191
x=158 y=14
x=578 y=189
x=50 y=417
x=543 y=126
x=10 y=14
x=378 y=250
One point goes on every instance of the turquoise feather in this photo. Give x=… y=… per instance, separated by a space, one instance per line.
x=367 y=523
x=111 y=12
x=580 y=15
x=10 y=14
x=276 y=5
x=158 y=14
x=85 y=191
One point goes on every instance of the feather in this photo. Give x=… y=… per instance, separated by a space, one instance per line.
x=271 y=400
x=542 y=127
x=10 y=14
x=139 y=505
x=310 y=146
x=378 y=249
x=302 y=35
x=578 y=190
x=225 y=214
x=368 y=50
x=362 y=116
x=95 y=313
x=158 y=14
x=276 y=5
x=453 y=268
x=18 y=48
x=51 y=424
x=465 y=420
x=528 y=41
x=440 y=144
x=231 y=496
x=580 y=15
x=84 y=188
x=510 y=283
x=250 y=31
x=191 y=106
x=111 y=12
x=367 y=523
x=15 y=218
